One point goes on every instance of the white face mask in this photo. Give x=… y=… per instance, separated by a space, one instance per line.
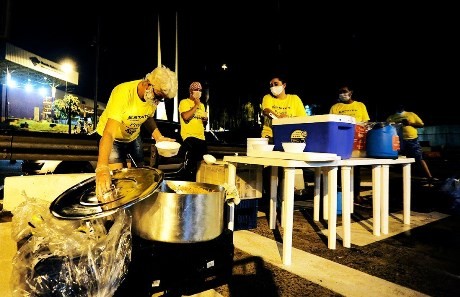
x=276 y=90
x=149 y=95
x=196 y=94
x=344 y=97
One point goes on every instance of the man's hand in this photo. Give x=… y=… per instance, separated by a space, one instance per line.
x=196 y=98
x=103 y=183
x=405 y=122
x=163 y=138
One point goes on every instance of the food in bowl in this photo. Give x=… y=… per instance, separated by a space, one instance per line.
x=293 y=147
x=263 y=147
x=189 y=188
x=167 y=148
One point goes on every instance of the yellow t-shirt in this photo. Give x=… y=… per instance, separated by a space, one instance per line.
x=355 y=109
x=125 y=107
x=408 y=132
x=194 y=127
x=290 y=107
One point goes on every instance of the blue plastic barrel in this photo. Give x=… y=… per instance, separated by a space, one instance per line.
x=382 y=141
x=339 y=202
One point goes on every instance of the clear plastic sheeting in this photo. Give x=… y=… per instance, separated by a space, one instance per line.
x=66 y=257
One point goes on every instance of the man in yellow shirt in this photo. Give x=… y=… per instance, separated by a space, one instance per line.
x=410 y=146
x=131 y=105
x=193 y=119
x=350 y=107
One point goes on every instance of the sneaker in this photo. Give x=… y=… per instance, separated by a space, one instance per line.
x=431 y=180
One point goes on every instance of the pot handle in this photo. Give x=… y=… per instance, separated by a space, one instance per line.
x=231 y=215
x=231 y=194
x=232 y=198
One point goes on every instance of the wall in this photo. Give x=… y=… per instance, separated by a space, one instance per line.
x=444 y=136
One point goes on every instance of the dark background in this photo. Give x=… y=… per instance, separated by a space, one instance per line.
x=387 y=51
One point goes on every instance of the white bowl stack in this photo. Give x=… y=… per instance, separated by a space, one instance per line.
x=252 y=141
x=262 y=147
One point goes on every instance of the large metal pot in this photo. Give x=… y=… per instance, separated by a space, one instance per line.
x=180 y=212
x=163 y=210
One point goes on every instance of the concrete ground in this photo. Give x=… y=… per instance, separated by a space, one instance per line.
x=416 y=260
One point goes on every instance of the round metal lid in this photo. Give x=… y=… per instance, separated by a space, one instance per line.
x=131 y=185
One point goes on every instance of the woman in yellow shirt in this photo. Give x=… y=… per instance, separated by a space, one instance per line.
x=278 y=104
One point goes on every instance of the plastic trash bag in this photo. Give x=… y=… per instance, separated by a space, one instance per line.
x=451 y=187
x=68 y=257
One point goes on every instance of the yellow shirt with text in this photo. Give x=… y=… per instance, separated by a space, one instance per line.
x=194 y=127
x=125 y=107
x=289 y=107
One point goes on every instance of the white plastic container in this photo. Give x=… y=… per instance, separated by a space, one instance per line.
x=252 y=141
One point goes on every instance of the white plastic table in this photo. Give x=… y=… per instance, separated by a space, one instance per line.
x=380 y=177
x=380 y=193
x=289 y=167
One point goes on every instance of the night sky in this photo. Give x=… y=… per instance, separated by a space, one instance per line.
x=387 y=52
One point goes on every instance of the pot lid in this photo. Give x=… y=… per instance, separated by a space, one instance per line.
x=131 y=185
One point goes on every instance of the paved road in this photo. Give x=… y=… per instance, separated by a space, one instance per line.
x=8 y=168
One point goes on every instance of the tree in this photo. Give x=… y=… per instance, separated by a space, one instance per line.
x=68 y=105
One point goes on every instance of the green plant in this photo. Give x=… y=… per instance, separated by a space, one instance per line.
x=68 y=105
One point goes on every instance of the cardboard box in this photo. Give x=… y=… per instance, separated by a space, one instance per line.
x=327 y=133
x=248 y=178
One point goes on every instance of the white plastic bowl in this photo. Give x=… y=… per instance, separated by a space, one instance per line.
x=262 y=147
x=293 y=147
x=209 y=159
x=252 y=141
x=167 y=148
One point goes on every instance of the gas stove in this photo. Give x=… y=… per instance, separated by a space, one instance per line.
x=177 y=268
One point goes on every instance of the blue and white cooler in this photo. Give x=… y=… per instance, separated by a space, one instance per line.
x=328 y=133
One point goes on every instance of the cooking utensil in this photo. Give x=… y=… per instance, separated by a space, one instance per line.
x=181 y=212
x=131 y=185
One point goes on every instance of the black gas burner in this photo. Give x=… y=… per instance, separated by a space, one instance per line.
x=178 y=268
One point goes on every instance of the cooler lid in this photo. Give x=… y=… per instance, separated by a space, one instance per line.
x=131 y=185
x=315 y=119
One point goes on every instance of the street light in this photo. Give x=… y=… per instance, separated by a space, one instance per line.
x=68 y=66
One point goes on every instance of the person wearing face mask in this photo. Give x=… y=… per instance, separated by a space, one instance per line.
x=350 y=107
x=278 y=104
x=193 y=119
x=410 y=146
x=130 y=105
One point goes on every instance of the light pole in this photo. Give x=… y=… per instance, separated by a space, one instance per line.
x=67 y=67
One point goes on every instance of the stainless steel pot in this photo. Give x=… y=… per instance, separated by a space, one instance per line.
x=163 y=210
x=180 y=212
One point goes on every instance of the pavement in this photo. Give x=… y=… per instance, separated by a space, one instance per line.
x=416 y=260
